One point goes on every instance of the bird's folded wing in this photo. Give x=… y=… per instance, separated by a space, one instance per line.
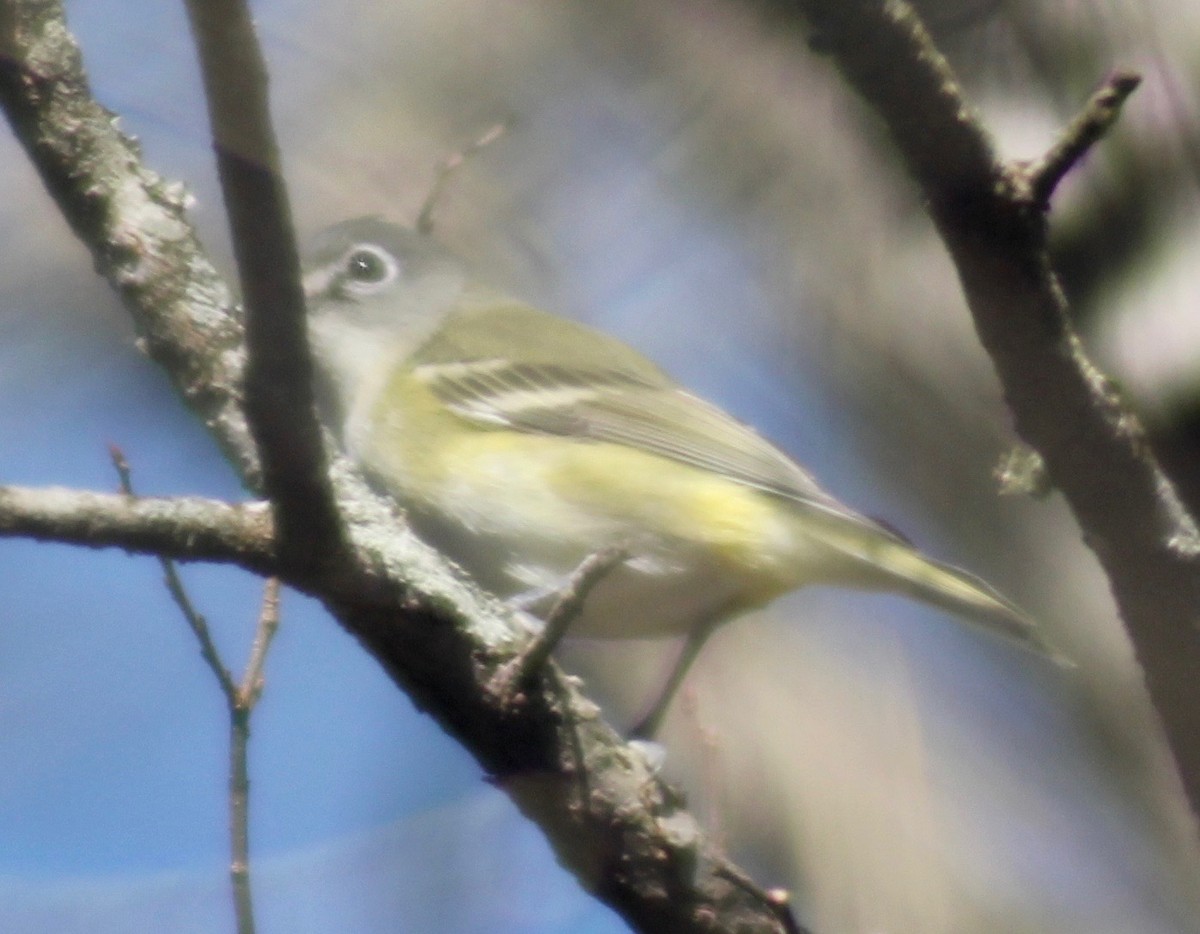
x=633 y=409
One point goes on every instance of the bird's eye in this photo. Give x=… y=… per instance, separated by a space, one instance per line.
x=368 y=266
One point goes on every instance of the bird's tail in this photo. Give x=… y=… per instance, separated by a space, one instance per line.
x=892 y=563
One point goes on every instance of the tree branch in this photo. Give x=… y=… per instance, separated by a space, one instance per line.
x=1087 y=129
x=133 y=222
x=994 y=227
x=187 y=528
x=279 y=401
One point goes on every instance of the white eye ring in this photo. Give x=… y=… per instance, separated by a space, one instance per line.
x=367 y=269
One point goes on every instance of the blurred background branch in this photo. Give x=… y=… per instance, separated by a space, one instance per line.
x=1093 y=446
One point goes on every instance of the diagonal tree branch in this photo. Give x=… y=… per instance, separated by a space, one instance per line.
x=133 y=221
x=993 y=223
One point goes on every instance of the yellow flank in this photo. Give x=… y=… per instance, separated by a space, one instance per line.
x=535 y=487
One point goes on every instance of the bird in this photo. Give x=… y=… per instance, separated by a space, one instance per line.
x=520 y=443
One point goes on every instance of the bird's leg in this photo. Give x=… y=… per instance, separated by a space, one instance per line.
x=648 y=725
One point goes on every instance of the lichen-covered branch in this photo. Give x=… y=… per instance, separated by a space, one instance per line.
x=133 y=221
x=187 y=528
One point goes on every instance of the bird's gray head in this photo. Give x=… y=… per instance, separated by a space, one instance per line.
x=373 y=272
x=375 y=292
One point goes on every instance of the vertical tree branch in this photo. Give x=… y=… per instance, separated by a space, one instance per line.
x=241 y=707
x=279 y=393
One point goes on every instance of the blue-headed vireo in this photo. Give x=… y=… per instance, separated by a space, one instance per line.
x=520 y=443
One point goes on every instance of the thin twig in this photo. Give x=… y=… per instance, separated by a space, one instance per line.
x=268 y=624
x=239 y=818
x=567 y=607
x=449 y=165
x=195 y=620
x=1081 y=134
x=780 y=900
x=124 y=473
x=199 y=626
x=240 y=709
x=239 y=699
